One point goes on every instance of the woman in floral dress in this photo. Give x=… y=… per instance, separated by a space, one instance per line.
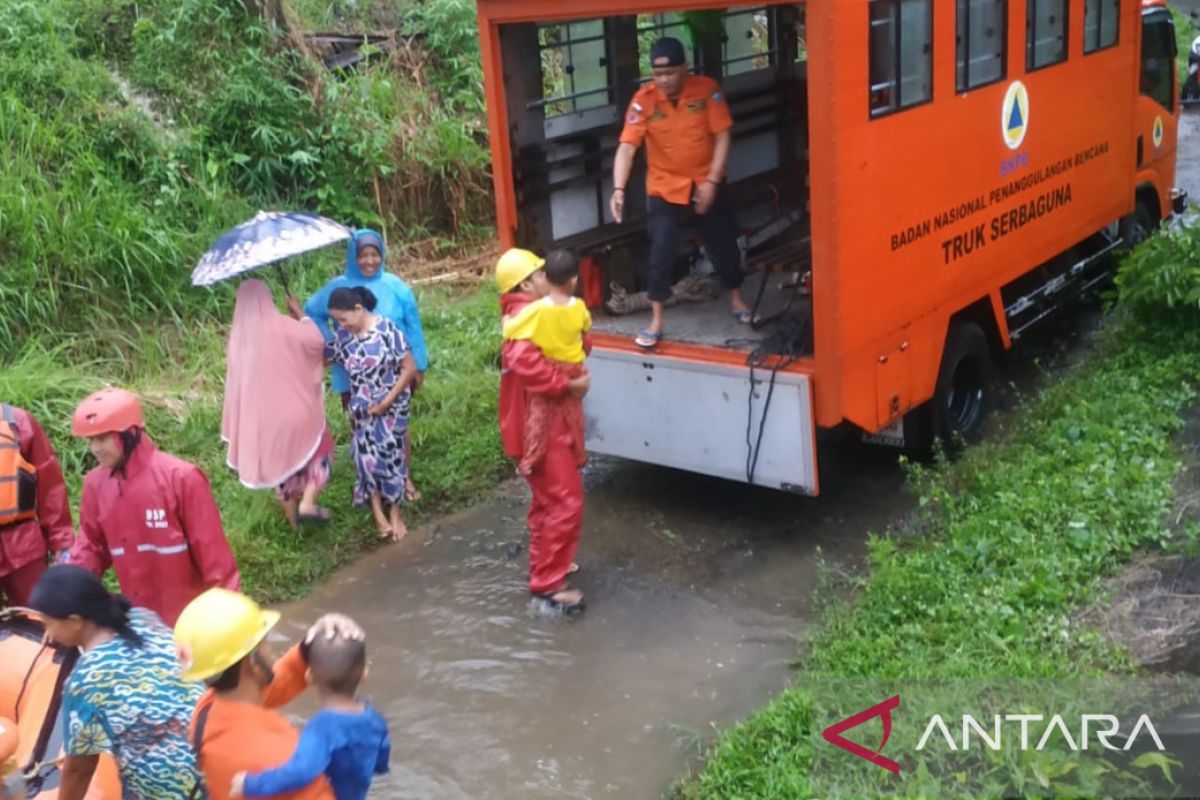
x=381 y=367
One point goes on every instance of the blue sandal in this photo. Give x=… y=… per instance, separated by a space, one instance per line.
x=744 y=316
x=647 y=340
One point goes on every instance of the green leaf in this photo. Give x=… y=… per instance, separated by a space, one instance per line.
x=1156 y=759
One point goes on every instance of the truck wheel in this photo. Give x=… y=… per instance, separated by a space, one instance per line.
x=1138 y=226
x=961 y=399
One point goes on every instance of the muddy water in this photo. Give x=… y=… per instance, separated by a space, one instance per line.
x=699 y=592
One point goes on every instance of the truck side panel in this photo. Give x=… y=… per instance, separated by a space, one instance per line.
x=936 y=206
x=704 y=418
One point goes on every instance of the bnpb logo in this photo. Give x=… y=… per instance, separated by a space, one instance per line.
x=1014 y=118
x=1158 y=132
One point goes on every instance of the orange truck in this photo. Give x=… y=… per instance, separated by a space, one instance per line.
x=916 y=184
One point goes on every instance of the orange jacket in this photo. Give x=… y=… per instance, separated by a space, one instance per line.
x=247 y=737
x=679 y=136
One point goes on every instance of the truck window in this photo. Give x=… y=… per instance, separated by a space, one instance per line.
x=1101 y=20
x=1045 y=33
x=1158 y=59
x=575 y=74
x=748 y=42
x=901 y=54
x=981 y=38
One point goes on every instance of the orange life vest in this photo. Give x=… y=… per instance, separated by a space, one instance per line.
x=18 y=478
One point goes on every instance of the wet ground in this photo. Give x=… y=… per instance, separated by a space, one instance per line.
x=701 y=592
x=1187 y=167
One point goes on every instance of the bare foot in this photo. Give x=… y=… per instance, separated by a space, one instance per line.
x=399 y=529
x=382 y=525
x=737 y=304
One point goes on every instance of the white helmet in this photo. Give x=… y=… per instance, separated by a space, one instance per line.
x=1196 y=46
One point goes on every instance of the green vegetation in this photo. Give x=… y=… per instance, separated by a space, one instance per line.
x=135 y=132
x=1185 y=32
x=347 y=16
x=1010 y=541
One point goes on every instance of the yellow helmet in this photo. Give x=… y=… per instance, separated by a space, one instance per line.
x=217 y=630
x=515 y=266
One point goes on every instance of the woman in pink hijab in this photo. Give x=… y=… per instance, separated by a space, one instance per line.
x=274 y=414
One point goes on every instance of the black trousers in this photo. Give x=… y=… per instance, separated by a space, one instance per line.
x=718 y=229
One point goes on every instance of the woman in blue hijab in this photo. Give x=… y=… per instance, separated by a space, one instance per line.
x=396 y=301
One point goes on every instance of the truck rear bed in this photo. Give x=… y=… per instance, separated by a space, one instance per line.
x=710 y=322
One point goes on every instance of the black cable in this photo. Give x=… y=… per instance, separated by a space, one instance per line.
x=787 y=343
x=25 y=683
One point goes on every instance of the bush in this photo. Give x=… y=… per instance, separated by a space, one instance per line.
x=1162 y=277
x=400 y=142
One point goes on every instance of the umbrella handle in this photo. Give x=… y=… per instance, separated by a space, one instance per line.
x=283 y=278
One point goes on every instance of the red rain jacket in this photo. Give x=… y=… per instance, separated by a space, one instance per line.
x=51 y=532
x=524 y=370
x=157 y=524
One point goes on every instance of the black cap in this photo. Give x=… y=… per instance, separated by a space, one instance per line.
x=667 y=52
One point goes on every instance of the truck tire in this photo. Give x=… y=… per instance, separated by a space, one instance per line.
x=1138 y=226
x=961 y=398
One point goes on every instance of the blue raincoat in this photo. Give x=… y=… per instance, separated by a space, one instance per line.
x=396 y=302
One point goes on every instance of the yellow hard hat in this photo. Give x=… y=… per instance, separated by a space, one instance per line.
x=515 y=266
x=217 y=630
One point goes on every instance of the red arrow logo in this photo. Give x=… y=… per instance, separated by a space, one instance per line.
x=833 y=734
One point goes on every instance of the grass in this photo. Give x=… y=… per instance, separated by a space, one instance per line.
x=456 y=451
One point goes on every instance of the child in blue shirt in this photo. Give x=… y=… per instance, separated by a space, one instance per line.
x=346 y=740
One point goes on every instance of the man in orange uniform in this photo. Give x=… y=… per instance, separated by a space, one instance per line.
x=685 y=123
x=220 y=636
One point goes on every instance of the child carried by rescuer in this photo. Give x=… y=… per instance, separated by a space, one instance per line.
x=346 y=740
x=558 y=324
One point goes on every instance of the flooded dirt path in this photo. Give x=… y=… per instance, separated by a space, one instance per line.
x=700 y=592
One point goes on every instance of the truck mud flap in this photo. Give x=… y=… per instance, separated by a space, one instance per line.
x=693 y=416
